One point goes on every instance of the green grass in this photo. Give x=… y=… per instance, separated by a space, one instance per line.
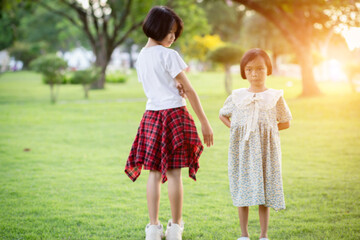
x=71 y=184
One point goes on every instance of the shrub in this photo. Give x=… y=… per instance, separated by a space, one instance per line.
x=86 y=78
x=116 y=77
x=227 y=55
x=68 y=77
x=52 y=68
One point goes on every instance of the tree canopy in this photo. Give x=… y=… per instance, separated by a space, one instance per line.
x=305 y=22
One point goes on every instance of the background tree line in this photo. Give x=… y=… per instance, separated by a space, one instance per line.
x=280 y=26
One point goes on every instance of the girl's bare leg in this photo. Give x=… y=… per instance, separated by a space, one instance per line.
x=153 y=196
x=264 y=215
x=175 y=191
x=244 y=217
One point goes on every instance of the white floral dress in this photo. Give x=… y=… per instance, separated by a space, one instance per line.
x=254 y=164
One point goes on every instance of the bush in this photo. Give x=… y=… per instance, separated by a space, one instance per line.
x=68 y=77
x=227 y=54
x=116 y=77
x=87 y=76
x=51 y=66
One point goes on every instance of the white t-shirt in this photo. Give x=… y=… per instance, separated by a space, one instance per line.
x=157 y=68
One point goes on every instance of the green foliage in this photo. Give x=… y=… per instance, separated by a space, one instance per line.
x=224 y=21
x=11 y=13
x=87 y=76
x=51 y=66
x=7 y=35
x=227 y=54
x=56 y=31
x=68 y=77
x=194 y=17
x=258 y=32
x=116 y=77
x=26 y=52
x=199 y=46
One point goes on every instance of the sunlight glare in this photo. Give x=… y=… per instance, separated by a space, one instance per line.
x=352 y=37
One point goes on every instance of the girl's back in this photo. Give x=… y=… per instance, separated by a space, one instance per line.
x=157 y=67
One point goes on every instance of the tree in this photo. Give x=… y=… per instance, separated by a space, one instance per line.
x=199 y=46
x=59 y=34
x=107 y=24
x=304 y=22
x=10 y=15
x=258 y=32
x=227 y=55
x=26 y=52
x=52 y=68
x=224 y=21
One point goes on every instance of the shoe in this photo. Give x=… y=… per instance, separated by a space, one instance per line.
x=244 y=238
x=264 y=239
x=154 y=232
x=174 y=231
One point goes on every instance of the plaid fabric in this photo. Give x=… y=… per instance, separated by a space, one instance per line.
x=166 y=139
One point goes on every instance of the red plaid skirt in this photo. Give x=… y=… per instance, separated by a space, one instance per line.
x=166 y=139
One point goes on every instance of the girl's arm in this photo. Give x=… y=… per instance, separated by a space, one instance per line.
x=225 y=120
x=282 y=126
x=196 y=105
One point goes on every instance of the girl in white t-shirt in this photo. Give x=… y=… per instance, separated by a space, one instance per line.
x=167 y=139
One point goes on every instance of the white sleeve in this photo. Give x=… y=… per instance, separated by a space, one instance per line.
x=283 y=113
x=174 y=64
x=228 y=107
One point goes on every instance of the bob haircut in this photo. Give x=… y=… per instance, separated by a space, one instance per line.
x=159 y=21
x=251 y=55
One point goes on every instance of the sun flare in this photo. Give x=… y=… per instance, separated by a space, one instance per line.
x=352 y=37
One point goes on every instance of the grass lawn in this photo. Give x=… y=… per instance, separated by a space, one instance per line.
x=71 y=184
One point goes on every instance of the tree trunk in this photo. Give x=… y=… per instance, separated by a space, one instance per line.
x=52 y=94
x=309 y=86
x=86 y=90
x=103 y=55
x=101 y=63
x=228 y=82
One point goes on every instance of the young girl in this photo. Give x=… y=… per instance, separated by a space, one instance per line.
x=167 y=139
x=257 y=114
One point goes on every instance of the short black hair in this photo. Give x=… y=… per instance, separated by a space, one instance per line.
x=251 y=55
x=159 y=21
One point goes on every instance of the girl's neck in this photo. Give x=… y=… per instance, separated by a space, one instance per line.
x=257 y=89
x=151 y=42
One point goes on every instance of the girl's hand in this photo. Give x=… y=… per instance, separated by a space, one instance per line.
x=207 y=134
x=282 y=126
x=181 y=90
x=225 y=120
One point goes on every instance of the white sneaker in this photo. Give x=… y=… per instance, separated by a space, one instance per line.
x=244 y=238
x=154 y=232
x=174 y=231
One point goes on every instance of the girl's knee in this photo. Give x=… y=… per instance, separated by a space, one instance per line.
x=173 y=173
x=156 y=175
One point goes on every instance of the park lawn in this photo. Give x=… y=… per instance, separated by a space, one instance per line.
x=71 y=184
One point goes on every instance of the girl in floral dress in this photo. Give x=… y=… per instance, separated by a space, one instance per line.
x=255 y=115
